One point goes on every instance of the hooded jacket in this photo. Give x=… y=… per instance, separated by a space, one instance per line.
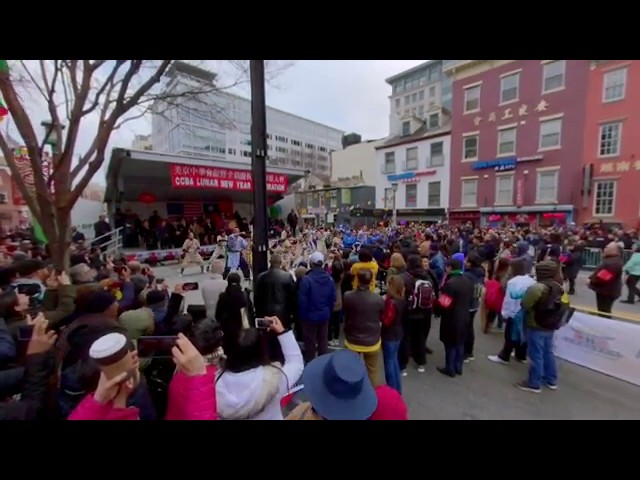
x=255 y=394
x=522 y=253
x=546 y=285
x=316 y=296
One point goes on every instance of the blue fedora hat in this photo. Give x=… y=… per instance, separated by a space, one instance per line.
x=338 y=386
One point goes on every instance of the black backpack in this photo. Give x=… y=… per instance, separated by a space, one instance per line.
x=550 y=312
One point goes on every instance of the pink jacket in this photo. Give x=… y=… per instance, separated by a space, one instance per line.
x=190 y=398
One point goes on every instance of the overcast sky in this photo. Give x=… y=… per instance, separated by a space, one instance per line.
x=350 y=95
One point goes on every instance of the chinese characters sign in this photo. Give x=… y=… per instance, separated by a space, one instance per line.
x=619 y=167
x=190 y=176
x=512 y=113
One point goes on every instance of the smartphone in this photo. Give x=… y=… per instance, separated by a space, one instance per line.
x=263 y=323
x=25 y=333
x=190 y=286
x=156 y=347
x=28 y=289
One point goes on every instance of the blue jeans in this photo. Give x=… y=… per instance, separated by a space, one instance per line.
x=542 y=361
x=454 y=358
x=391 y=365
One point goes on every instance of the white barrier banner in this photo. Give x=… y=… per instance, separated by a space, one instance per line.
x=608 y=346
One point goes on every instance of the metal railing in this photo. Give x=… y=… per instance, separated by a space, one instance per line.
x=111 y=245
x=593 y=256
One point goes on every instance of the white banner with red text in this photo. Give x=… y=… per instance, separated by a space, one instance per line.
x=608 y=346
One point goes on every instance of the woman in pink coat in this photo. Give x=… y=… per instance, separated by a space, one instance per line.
x=191 y=392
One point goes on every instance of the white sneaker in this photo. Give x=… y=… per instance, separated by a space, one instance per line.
x=404 y=373
x=421 y=370
x=497 y=359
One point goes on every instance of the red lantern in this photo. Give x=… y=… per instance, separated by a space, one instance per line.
x=147 y=198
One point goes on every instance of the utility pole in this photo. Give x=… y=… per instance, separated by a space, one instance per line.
x=259 y=168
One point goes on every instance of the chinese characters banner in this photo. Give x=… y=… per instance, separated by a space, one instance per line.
x=189 y=176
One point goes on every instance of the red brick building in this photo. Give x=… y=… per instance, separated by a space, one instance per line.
x=612 y=144
x=517 y=135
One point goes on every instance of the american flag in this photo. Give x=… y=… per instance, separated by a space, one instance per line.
x=192 y=209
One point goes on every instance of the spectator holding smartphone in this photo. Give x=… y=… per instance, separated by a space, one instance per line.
x=190 y=394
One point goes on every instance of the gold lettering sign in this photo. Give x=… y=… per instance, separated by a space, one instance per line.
x=507 y=114
x=607 y=167
x=623 y=166
x=492 y=117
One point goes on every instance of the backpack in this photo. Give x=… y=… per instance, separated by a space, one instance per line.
x=494 y=296
x=389 y=313
x=552 y=311
x=422 y=295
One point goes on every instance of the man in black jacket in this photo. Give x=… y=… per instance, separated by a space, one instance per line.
x=454 y=303
x=275 y=293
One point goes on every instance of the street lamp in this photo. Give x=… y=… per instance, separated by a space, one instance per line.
x=394 y=218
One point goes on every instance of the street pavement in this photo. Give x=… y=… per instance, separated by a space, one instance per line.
x=486 y=390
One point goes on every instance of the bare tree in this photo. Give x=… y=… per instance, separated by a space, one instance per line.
x=114 y=91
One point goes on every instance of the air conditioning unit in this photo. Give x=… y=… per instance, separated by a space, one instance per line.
x=3 y=198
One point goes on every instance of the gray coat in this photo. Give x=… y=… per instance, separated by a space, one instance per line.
x=211 y=290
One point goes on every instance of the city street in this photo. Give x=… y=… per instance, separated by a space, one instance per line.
x=486 y=390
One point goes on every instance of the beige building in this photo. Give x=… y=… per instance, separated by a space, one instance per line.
x=357 y=160
x=142 y=142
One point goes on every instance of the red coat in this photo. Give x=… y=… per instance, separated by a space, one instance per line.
x=190 y=398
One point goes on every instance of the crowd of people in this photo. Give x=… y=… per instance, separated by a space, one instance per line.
x=107 y=339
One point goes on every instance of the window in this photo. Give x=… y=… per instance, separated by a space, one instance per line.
x=421 y=95
x=547 y=191
x=421 y=111
x=436 y=157
x=414 y=97
x=553 y=76
x=507 y=141
x=434 y=120
x=610 y=139
x=472 y=99
x=407 y=100
x=509 y=88
x=615 y=83
x=550 y=133
x=406 y=128
x=388 y=198
x=411 y=161
x=470 y=193
x=604 y=199
x=504 y=189
x=470 y=146
x=345 y=193
x=333 y=199
x=411 y=195
x=433 y=194
x=397 y=103
x=432 y=91
x=390 y=162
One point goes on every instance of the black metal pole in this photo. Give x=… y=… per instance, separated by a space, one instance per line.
x=259 y=168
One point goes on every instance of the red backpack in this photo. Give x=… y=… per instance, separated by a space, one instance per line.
x=389 y=313
x=494 y=296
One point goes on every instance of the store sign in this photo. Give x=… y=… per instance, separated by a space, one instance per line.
x=464 y=216
x=498 y=165
x=519 y=192
x=190 y=176
x=410 y=177
x=554 y=216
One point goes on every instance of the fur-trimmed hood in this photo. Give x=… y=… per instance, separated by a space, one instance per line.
x=251 y=395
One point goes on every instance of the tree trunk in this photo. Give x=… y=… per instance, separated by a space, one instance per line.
x=59 y=243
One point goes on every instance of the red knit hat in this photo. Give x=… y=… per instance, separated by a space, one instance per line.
x=391 y=406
